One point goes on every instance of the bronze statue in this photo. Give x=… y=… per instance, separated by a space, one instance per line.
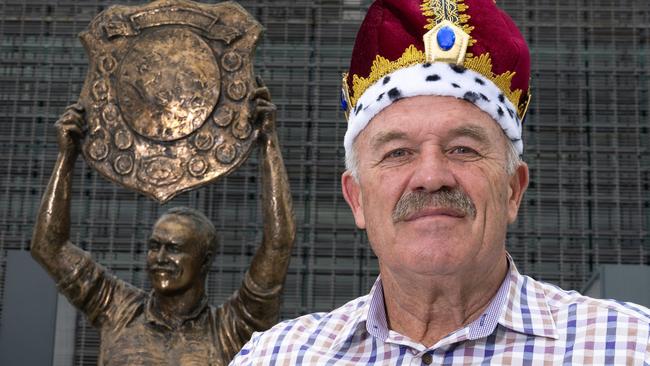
x=173 y=324
x=170 y=103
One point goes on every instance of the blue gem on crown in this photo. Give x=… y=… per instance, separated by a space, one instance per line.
x=344 y=102
x=446 y=38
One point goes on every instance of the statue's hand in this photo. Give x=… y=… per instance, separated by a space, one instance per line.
x=264 y=111
x=70 y=129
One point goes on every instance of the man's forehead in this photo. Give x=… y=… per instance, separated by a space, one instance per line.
x=174 y=228
x=478 y=131
x=475 y=131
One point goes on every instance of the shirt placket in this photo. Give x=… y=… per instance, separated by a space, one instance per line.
x=417 y=354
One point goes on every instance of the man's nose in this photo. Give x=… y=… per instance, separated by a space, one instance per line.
x=432 y=172
x=162 y=254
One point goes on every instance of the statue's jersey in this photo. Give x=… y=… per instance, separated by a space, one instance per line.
x=134 y=333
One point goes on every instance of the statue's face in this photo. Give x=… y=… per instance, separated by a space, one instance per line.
x=175 y=257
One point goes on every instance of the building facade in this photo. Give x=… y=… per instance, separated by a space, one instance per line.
x=587 y=143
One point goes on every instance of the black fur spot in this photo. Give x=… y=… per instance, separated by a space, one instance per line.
x=394 y=94
x=386 y=80
x=358 y=109
x=479 y=81
x=471 y=97
x=426 y=65
x=511 y=113
x=501 y=98
x=500 y=111
x=455 y=85
x=515 y=140
x=457 y=68
x=434 y=77
x=485 y=98
x=380 y=96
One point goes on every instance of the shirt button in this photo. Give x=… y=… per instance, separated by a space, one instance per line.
x=427 y=358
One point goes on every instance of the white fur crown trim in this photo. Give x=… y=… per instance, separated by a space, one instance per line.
x=435 y=79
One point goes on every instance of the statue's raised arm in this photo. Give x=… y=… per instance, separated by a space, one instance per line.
x=270 y=262
x=51 y=245
x=256 y=306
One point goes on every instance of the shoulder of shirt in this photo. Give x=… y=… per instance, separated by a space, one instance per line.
x=332 y=322
x=559 y=300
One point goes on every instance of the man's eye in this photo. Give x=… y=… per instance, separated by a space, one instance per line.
x=154 y=246
x=464 y=150
x=173 y=249
x=397 y=153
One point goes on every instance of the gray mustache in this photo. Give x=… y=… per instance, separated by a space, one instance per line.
x=447 y=198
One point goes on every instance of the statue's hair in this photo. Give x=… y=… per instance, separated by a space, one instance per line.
x=211 y=242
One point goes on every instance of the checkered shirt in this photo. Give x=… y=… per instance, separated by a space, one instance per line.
x=528 y=322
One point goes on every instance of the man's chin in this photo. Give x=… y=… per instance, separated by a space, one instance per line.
x=162 y=282
x=166 y=289
x=431 y=231
x=429 y=249
x=426 y=264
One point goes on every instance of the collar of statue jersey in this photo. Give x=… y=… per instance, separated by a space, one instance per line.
x=152 y=312
x=467 y=49
x=519 y=305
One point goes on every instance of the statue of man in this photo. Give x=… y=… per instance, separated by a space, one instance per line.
x=173 y=324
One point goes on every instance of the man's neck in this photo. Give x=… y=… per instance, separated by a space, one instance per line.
x=428 y=308
x=178 y=307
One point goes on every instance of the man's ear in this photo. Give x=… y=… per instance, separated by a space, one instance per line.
x=352 y=194
x=516 y=188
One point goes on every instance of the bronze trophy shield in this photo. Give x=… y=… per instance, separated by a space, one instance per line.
x=166 y=96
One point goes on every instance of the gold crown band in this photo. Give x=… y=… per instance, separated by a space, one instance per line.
x=411 y=56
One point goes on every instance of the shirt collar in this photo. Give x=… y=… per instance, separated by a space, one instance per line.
x=152 y=313
x=359 y=316
x=377 y=324
x=520 y=305
x=484 y=325
x=527 y=310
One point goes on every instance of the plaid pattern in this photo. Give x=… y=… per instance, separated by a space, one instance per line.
x=527 y=323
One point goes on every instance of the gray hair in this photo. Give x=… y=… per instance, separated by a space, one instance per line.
x=513 y=159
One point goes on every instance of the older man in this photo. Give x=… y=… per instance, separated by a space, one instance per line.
x=437 y=91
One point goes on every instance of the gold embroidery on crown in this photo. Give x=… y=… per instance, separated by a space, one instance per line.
x=435 y=12
x=440 y=10
x=411 y=56
x=381 y=67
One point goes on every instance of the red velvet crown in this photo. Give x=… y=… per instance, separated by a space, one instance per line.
x=391 y=37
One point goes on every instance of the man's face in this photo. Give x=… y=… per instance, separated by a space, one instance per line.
x=174 y=258
x=444 y=159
